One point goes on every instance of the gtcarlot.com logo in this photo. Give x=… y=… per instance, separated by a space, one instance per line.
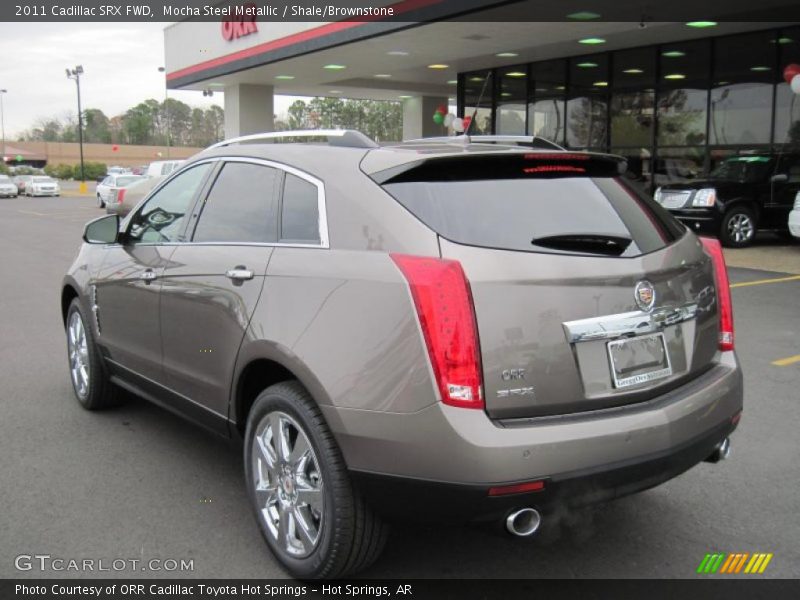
x=46 y=562
x=735 y=563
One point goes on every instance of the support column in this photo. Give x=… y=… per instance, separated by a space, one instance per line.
x=418 y=117
x=249 y=109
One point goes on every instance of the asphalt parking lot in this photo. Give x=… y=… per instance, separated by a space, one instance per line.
x=139 y=483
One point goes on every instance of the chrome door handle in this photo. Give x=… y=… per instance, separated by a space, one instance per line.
x=239 y=273
x=148 y=275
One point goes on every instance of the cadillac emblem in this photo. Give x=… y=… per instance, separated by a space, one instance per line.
x=645 y=295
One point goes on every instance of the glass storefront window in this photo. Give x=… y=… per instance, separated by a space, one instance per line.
x=476 y=84
x=640 y=166
x=787 y=104
x=741 y=94
x=512 y=100
x=683 y=93
x=679 y=165
x=546 y=109
x=632 y=118
x=587 y=104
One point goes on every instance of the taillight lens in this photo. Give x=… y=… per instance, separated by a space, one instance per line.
x=714 y=249
x=444 y=305
x=120 y=195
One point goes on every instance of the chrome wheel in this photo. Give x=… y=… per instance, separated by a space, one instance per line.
x=740 y=228
x=78 y=349
x=288 y=484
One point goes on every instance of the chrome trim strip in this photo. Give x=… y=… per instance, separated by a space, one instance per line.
x=322 y=210
x=611 y=327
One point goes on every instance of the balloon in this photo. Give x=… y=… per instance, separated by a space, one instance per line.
x=458 y=125
x=795 y=84
x=114 y=148
x=790 y=71
x=467 y=122
x=448 y=119
x=438 y=118
x=442 y=108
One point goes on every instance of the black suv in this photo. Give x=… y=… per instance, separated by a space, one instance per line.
x=744 y=194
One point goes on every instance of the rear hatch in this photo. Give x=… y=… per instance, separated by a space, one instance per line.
x=587 y=294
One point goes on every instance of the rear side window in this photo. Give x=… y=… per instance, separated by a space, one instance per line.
x=300 y=214
x=553 y=206
x=240 y=206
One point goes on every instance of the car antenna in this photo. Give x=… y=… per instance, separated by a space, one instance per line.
x=478 y=104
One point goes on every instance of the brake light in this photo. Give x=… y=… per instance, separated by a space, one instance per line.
x=714 y=249
x=120 y=195
x=446 y=314
x=554 y=169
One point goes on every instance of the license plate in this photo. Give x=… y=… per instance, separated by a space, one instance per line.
x=639 y=360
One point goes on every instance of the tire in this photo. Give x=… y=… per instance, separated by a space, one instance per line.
x=738 y=228
x=349 y=535
x=92 y=386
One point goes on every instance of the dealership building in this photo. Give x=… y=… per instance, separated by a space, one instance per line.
x=674 y=97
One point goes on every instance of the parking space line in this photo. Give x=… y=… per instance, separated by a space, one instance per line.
x=763 y=281
x=785 y=362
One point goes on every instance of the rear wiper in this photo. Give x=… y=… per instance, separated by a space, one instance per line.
x=594 y=243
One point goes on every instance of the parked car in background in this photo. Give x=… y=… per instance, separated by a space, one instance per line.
x=745 y=194
x=111 y=182
x=123 y=199
x=7 y=187
x=41 y=185
x=113 y=171
x=460 y=332
x=794 y=217
x=21 y=181
x=161 y=168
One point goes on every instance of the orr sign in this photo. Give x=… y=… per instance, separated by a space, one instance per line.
x=241 y=23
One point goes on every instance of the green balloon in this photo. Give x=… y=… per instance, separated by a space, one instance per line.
x=438 y=118
x=19 y=158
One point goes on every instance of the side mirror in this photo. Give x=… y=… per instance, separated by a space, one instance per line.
x=779 y=178
x=104 y=230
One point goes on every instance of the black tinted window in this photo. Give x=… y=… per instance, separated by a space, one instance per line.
x=239 y=207
x=300 y=218
x=585 y=215
x=161 y=219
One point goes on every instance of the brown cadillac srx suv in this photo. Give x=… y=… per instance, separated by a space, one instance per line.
x=483 y=331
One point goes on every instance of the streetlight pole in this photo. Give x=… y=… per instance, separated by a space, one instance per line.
x=76 y=75
x=166 y=107
x=2 y=128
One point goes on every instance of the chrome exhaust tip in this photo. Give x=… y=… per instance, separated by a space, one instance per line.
x=523 y=522
x=721 y=452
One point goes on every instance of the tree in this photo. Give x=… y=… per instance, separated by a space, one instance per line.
x=380 y=120
x=96 y=127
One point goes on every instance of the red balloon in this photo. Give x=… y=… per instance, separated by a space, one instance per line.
x=114 y=148
x=442 y=109
x=467 y=121
x=790 y=71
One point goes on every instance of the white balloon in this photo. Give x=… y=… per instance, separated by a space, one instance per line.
x=448 y=119
x=458 y=125
x=795 y=84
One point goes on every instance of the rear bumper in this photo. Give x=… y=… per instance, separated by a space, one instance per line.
x=400 y=497
x=700 y=220
x=450 y=457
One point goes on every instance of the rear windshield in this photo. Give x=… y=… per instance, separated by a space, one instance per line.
x=543 y=208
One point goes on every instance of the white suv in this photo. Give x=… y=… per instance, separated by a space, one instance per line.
x=794 y=217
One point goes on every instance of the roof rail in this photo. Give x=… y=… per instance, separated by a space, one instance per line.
x=518 y=140
x=349 y=138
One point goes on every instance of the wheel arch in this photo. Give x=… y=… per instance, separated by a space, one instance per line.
x=68 y=294
x=743 y=202
x=260 y=367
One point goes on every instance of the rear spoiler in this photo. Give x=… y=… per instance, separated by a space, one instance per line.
x=516 y=165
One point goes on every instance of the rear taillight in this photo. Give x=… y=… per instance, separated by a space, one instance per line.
x=120 y=195
x=443 y=301
x=714 y=249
